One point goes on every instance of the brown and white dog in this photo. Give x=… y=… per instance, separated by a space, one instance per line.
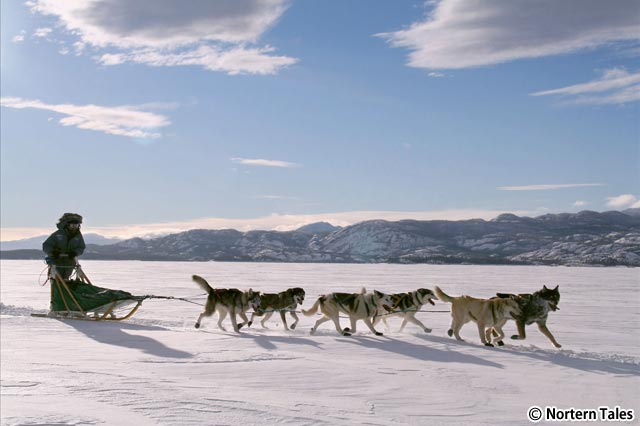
x=488 y=314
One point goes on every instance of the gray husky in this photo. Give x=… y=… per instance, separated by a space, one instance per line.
x=285 y=301
x=360 y=306
x=535 y=308
x=227 y=301
x=406 y=305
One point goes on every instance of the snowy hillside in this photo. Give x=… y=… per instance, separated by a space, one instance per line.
x=156 y=369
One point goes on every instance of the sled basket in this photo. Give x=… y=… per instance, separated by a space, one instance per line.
x=78 y=298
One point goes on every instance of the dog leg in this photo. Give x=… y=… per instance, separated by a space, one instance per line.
x=284 y=320
x=410 y=317
x=521 y=333
x=352 y=329
x=245 y=321
x=455 y=330
x=295 y=323
x=265 y=319
x=199 y=319
x=544 y=330
x=367 y=321
x=481 y=331
x=234 y=320
x=498 y=333
x=222 y=314
x=320 y=321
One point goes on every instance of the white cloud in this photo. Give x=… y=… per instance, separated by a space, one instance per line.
x=218 y=35
x=19 y=37
x=42 y=32
x=462 y=33
x=580 y=203
x=622 y=201
x=636 y=205
x=277 y=222
x=120 y=120
x=549 y=186
x=616 y=86
x=264 y=163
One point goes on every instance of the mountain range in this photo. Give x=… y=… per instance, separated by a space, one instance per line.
x=585 y=238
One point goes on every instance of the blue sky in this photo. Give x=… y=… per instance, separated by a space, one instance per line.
x=161 y=116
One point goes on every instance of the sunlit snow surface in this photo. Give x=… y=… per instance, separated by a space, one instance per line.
x=156 y=368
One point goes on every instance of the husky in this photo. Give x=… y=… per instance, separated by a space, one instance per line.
x=360 y=306
x=535 y=308
x=282 y=302
x=406 y=305
x=227 y=301
x=488 y=314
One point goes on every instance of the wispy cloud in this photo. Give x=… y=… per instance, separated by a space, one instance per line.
x=19 y=37
x=548 y=186
x=622 y=201
x=120 y=120
x=580 y=203
x=616 y=86
x=264 y=163
x=462 y=34
x=42 y=32
x=216 y=35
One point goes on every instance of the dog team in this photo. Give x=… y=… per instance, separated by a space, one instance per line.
x=490 y=315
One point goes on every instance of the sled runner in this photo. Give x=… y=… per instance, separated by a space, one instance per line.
x=78 y=298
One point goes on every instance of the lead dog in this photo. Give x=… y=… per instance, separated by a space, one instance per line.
x=486 y=313
x=282 y=302
x=227 y=301
x=535 y=308
x=360 y=306
x=406 y=305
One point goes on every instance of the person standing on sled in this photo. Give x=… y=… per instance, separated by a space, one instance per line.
x=65 y=245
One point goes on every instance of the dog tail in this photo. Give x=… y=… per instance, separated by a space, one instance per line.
x=314 y=308
x=442 y=295
x=202 y=283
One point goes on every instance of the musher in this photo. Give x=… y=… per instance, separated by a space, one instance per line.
x=65 y=245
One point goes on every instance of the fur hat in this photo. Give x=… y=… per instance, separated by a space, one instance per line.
x=70 y=217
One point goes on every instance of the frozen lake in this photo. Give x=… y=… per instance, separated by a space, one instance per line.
x=157 y=369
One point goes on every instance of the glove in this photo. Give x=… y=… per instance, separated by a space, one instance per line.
x=72 y=254
x=48 y=260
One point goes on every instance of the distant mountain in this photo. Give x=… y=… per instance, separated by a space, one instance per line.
x=318 y=227
x=35 y=243
x=584 y=238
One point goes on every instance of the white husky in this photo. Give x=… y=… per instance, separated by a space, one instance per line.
x=360 y=306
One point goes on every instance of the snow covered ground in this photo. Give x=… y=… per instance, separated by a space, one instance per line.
x=157 y=369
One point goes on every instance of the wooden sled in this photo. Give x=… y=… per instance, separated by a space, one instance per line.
x=116 y=310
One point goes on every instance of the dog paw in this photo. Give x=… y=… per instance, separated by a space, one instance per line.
x=240 y=326
x=293 y=327
x=450 y=332
x=427 y=330
x=249 y=323
x=346 y=330
x=378 y=333
x=558 y=346
x=516 y=337
x=197 y=325
x=346 y=333
x=489 y=344
x=500 y=343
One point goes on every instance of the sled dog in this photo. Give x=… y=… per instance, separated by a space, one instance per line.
x=282 y=302
x=535 y=308
x=227 y=301
x=360 y=306
x=488 y=314
x=406 y=305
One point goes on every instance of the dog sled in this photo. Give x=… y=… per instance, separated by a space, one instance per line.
x=78 y=298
